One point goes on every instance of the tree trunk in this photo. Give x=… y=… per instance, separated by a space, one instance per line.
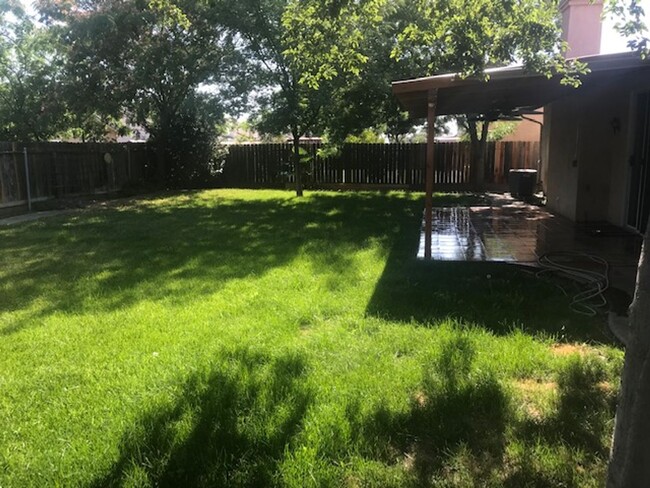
x=482 y=153
x=629 y=464
x=297 y=169
x=478 y=151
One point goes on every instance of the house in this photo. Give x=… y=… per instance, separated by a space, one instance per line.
x=596 y=145
x=595 y=138
x=529 y=129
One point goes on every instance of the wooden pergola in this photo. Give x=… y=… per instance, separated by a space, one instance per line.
x=503 y=92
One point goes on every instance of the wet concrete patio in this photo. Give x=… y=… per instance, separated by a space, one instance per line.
x=507 y=230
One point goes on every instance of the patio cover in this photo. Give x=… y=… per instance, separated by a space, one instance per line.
x=507 y=91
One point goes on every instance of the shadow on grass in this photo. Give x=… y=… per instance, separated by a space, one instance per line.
x=230 y=427
x=193 y=245
x=460 y=413
x=496 y=296
x=185 y=248
x=461 y=428
x=582 y=421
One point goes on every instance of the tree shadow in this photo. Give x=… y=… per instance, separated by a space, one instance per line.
x=461 y=428
x=581 y=421
x=229 y=427
x=496 y=296
x=190 y=247
x=459 y=413
x=585 y=407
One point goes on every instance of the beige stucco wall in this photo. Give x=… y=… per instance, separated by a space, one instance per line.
x=585 y=158
x=561 y=167
x=526 y=130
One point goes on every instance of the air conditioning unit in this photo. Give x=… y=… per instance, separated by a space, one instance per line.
x=522 y=183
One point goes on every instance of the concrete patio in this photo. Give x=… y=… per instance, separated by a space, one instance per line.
x=507 y=230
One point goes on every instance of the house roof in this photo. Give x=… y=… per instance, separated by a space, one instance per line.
x=508 y=88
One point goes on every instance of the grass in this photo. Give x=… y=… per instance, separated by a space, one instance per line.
x=249 y=338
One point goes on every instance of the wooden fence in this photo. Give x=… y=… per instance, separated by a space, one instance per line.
x=56 y=170
x=375 y=165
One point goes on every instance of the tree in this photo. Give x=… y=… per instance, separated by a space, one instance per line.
x=478 y=144
x=300 y=53
x=141 y=59
x=423 y=37
x=367 y=102
x=195 y=154
x=30 y=103
x=629 y=463
x=469 y=36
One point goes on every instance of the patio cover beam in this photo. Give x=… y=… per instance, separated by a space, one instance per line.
x=432 y=99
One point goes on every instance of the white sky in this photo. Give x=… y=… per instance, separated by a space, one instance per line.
x=611 y=41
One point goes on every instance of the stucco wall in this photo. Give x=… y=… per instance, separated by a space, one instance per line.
x=596 y=155
x=587 y=141
x=526 y=130
x=622 y=148
x=581 y=26
x=561 y=126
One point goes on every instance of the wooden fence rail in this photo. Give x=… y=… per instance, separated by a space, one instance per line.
x=370 y=165
x=56 y=170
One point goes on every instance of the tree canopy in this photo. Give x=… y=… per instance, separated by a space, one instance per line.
x=303 y=66
x=30 y=78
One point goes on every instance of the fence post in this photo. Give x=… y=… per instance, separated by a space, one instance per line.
x=29 y=190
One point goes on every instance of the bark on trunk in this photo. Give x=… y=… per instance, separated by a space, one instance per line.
x=478 y=150
x=629 y=464
x=296 y=164
x=482 y=152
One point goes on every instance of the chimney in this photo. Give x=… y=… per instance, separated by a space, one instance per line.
x=581 y=26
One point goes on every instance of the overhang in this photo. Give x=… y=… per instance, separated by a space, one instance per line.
x=510 y=89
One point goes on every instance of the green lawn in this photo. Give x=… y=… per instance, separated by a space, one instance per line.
x=249 y=338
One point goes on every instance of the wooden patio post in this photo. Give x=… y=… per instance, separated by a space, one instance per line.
x=432 y=99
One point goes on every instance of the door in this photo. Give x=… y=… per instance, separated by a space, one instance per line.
x=639 y=203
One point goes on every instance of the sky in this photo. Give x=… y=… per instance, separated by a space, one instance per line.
x=611 y=41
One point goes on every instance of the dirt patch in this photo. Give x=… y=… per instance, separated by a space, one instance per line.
x=29 y=217
x=409 y=461
x=568 y=349
x=533 y=393
x=530 y=386
x=420 y=399
x=606 y=387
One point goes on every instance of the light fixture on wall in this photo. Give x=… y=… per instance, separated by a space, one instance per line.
x=616 y=124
